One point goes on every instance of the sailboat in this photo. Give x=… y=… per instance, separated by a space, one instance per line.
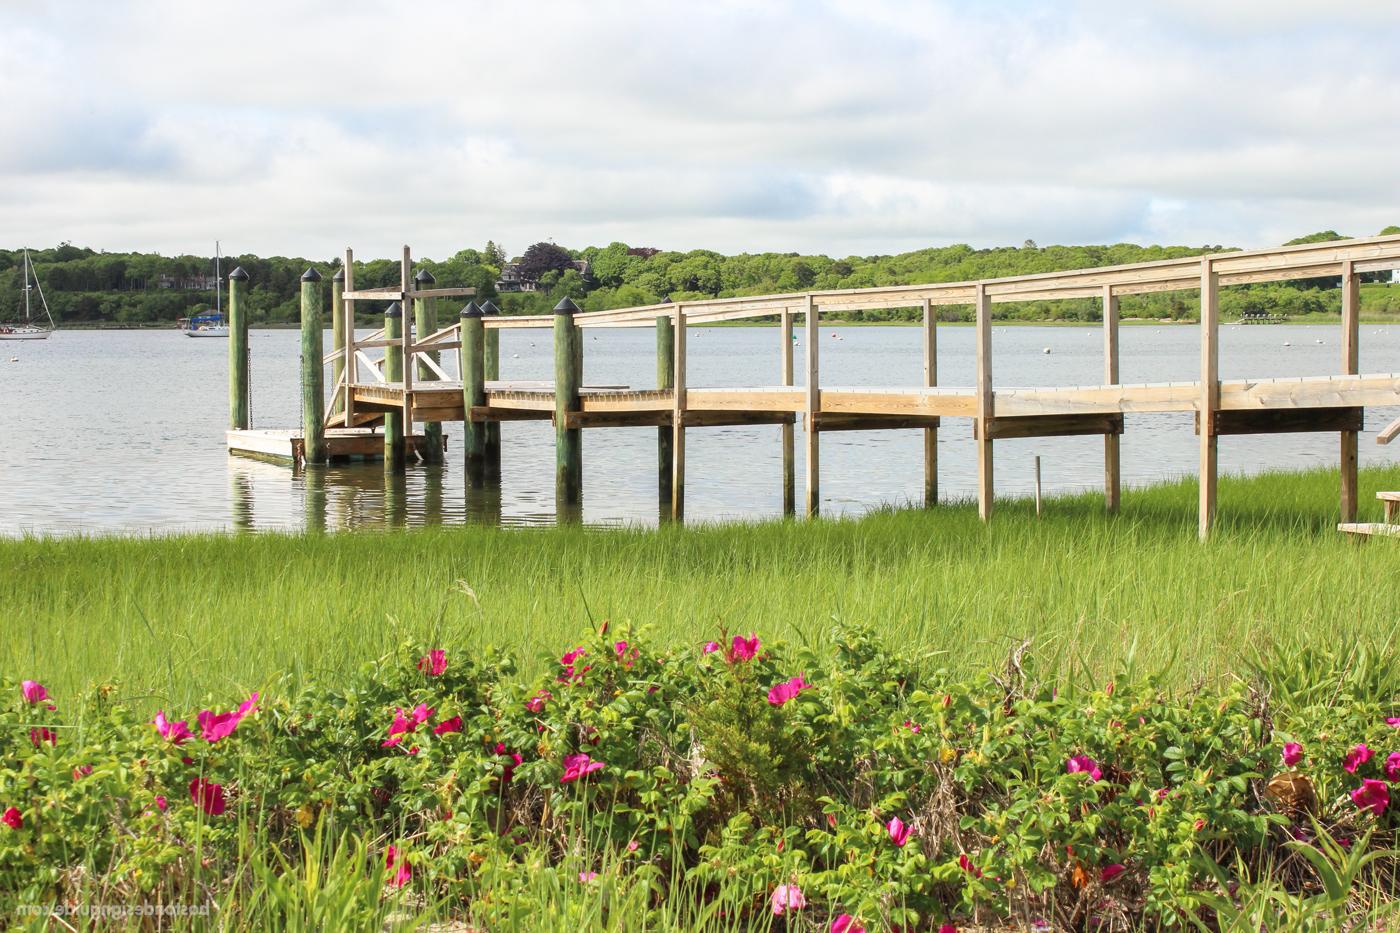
x=29 y=330
x=210 y=325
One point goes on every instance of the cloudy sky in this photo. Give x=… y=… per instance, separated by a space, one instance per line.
x=854 y=126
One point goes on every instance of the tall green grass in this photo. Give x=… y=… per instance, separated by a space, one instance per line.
x=172 y=619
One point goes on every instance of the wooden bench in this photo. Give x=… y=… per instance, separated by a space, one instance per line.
x=1366 y=529
x=1392 y=504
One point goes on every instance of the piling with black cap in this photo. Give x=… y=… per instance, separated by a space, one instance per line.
x=568 y=441
x=337 y=335
x=393 y=372
x=473 y=367
x=492 y=374
x=313 y=396
x=665 y=379
x=425 y=319
x=238 y=350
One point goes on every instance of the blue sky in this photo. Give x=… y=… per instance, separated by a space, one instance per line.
x=842 y=127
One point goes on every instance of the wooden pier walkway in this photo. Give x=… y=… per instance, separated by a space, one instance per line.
x=453 y=373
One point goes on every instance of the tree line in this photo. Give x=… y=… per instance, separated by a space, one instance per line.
x=84 y=286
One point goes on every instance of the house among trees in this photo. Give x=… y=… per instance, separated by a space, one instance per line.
x=523 y=275
x=187 y=283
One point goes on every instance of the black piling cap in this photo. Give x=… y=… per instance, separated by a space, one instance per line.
x=311 y=275
x=238 y=275
x=339 y=274
x=471 y=310
x=424 y=277
x=393 y=310
x=565 y=306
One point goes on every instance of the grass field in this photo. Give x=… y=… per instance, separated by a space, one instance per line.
x=173 y=619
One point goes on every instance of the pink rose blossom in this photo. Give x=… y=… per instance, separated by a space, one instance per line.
x=576 y=766
x=1357 y=757
x=743 y=649
x=536 y=703
x=899 y=832
x=209 y=796
x=788 y=689
x=161 y=803
x=947 y=928
x=176 y=732
x=32 y=691
x=632 y=845
x=913 y=727
x=12 y=818
x=845 y=923
x=1083 y=764
x=1292 y=753
x=81 y=771
x=787 y=897
x=38 y=736
x=710 y=647
x=216 y=726
x=1392 y=766
x=1393 y=722
x=406 y=725
x=586 y=876
x=1109 y=872
x=433 y=663
x=448 y=725
x=966 y=865
x=1372 y=795
x=402 y=871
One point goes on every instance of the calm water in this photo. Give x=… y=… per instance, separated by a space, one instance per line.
x=122 y=431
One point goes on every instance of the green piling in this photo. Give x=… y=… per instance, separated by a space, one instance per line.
x=425 y=319
x=238 y=350
x=665 y=379
x=313 y=396
x=338 y=336
x=493 y=374
x=568 y=441
x=473 y=368
x=393 y=372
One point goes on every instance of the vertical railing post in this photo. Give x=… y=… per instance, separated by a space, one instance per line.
x=473 y=369
x=425 y=319
x=338 y=339
x=985 y=399
x=313 y=396
x=1351 y=365
x=812 y=408
x=678 y=408
x=394 y=424
x=1112 y=484
x=568 y=440
x=492 y=469
x=348 y=341
x=930 y=380
x=238 y=416
x=405 y=336
x=1210 y=394
x=665 y=379
x=789 y=439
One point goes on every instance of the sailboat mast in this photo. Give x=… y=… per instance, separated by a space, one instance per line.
x=26 y=286
x=218 y=283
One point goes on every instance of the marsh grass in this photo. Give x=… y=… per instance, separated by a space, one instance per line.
x=175 y=619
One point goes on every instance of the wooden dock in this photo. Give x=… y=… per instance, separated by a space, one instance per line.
x=372 y=388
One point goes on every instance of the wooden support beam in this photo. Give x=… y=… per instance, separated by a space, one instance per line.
x=678 y=404
x=1112 y=474
x=472 y=366
x=493 y=374
x=930 y=379
x=395 y=425
x=1348 y=418
x=1210 y=395
x=1012 y=428
x=812 y=400
x=313 y=395
x=429 y=361
x=789 y=444
x=835 y=421
x=667 y=419
x=490 y=413
x=352 y=366
x=983 y=303
x=239 y=415
x=568 y=442
x=337 y=339
x=665 y=379
x=1351 y=359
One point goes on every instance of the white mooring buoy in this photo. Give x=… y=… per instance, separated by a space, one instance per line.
x=1046 y=350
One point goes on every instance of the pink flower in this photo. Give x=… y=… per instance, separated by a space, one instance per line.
x=402 y=874
x=787 y=897
x=1393 y=722
x=1109 y=872
x=913 y=727
x=743 y=649
x=632 y=845
x=216 y=726
x=448 y=725
x=38 y=736
x=1292 y=753
x=710 y=647
x=1392 y=767
x=1083 y=764
x=947 y=928
x=177 y=732
x=433 y=663
x=569 y=674
x=12 y=818
x=966 y=865
x=161 y=803
x=845 y=923
x=625 y=656
x=536 y=703
x=32 y=691
x=515 y=759
x=1357 y=757
x=404 y=725
x=899 y=833
x=209 y=796
x=1372 y=795
x=781 y=693
x=572 y=655
x=586 y=876
x=576 y=766
x=81 y=771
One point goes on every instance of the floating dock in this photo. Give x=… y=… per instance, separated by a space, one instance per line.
x=343 y=445
x=391 y=379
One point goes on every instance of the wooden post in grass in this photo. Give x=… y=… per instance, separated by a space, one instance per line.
x=473 y=369
x=393 y=372
x=665 y=379
x=313 y=396
x=678 y=407
x=338 y=339
x=930 y=379
x=1351 y=365
x=1111 y=470
x=789 y=440
x=1210 y=394
x=983 y=303
x=425 y=320
x=568 y=441
x=492 y=353
x=812 y=407
x=238 y=418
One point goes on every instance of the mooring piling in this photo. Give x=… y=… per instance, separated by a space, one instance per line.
x=473 y=369
x=930 y=380
x=812 y=399
x=492 y=455
x=338 y=339
x=788 y=434
x=393 y=372
x=238 y=350
x=1112 y=484
x=313 y=396
x=665 y=379
x=678 y=410
x=426 y=322
x=568 y=379
x=1351 y=366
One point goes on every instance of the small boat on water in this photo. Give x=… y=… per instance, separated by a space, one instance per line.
x=29 y=330
x=205 y=325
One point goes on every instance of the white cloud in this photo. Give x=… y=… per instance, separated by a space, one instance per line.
x=871 y=126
